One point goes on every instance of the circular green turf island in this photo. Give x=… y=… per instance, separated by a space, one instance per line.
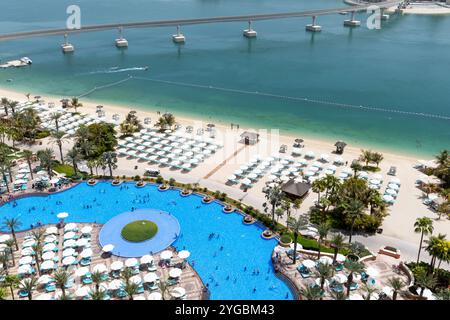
x=140 y=230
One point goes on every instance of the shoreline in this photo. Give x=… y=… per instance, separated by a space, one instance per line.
x=89 y=106
x=416 y=7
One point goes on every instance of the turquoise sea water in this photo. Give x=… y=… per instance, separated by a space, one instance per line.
x=233 y=272
x=401 y=67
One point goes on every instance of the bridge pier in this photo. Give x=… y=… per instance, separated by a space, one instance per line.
x=352 y=22
x=66 y=46
x=250 y=33
x=178 y=37
x=313 y=27
x=121 y=42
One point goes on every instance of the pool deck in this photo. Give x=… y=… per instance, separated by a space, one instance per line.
x=385 y=265
x=189 y=280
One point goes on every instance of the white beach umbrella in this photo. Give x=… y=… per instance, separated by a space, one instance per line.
x=82 y=292
x=68 y=260
x=49 y=247
x=326 y=260
x=70 y=227
x=340 y=258
x=166 y=255
x=48 y=265
x=146 y=259
x=51 y=230
x=86 y=230
x=28 y=243
x=374 y=181
x=136 y=279
x=49 y=255
x=62 y=215
x=131 y=262
x=243 y=167
x=24 y=269
x=252 y=176
x=101 y=268
x=395 y=181
x=116 y=265
x=246 y=182
x=186 y=166
x=232 y=177
x=115 y=284
x=340 y=278
x=178 y=292
x=309 y=263
x=184 y=254
x=388 y=290
x=150 y=277
x=44 y=279
x=69 y=235
x=155 y=296
x=82 y=242
x=393 y=186
x=299 y=246
x=69 y=243
x=25 y=260
x=86 y=253
x=310 y=154
x=175 y=273
x=108 y=248
x=27 y=251
x=391 y=192
x=377 y=176
x=4 y=238
x=68 y=252
x=309 y=173
x=272 y=177
x=314 y=169
x=80 y=272
x=328 y=172
x=388 y=198
x=326 y=282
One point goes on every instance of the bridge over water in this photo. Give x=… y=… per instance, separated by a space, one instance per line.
x=195 y=21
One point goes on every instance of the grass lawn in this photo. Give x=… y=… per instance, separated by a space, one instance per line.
x=138 y=231
x=64 y=168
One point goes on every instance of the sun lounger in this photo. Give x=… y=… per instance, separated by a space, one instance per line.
x=50 y=287
x=23 y=293
x=172 y=282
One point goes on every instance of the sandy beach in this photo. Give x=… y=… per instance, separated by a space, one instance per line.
x=214 y=171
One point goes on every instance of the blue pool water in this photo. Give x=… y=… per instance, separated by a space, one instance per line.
x=222 y=270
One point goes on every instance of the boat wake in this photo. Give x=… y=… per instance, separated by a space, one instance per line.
x=118 y=70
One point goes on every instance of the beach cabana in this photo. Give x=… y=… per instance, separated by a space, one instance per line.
x=249 y=138
x=340 y=146
x=295 y=190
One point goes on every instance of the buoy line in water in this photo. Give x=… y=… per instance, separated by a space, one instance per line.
x=272 y=95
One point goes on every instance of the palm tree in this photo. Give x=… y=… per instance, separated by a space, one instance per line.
x=319 y=186
x=126 y=274
x=443 y=294
x=369 y=289
x=58 y=138
x=110 y=160
x=274 y=196
x=97 y=279
x=97 y=295
x=166 y=121
x=436 y=248
x=354 y=209
x=337 y=243
x=397 y=284
x=5 y=104
x=311 y=293
x=377 y=158
x=324 y=272
x=29 y=285
x=295 y=225
x=4 y=170
x=366 y=157
x=11 y=281
x=442 y=159
x=338 y=295
x=61 y=277
x=131 y=289
x=28 y=155
x=75 y=103
x=323 y=229
x=352 y=267
x=164 y=288
x=55 y=116
x=12 y=105
x=10 y=243
x=424 y=226
x=46 y=158
x=73 y=156
x=12 y=224
x=38 y=248
x=424 y=280
x=3 y=294
x=4 y=261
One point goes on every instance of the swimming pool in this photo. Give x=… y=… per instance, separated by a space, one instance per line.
x=233 y=272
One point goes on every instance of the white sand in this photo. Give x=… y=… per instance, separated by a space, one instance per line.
x=399 y=224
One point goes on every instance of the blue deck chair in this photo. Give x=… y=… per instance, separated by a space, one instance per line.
x=50 y=287
x=354 y=286
x=23 y=293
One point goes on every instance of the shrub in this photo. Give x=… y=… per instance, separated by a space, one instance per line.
x=159 y=180
x=172 y=182
x=42 y=134
x=137 y=178
x=442 y=275
x=285 y=238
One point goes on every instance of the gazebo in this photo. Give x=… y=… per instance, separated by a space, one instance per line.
x=340 y=146
x=249 y=137
x=295 y=190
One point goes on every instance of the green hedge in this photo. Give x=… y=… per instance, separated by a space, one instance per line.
x=442 y=275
